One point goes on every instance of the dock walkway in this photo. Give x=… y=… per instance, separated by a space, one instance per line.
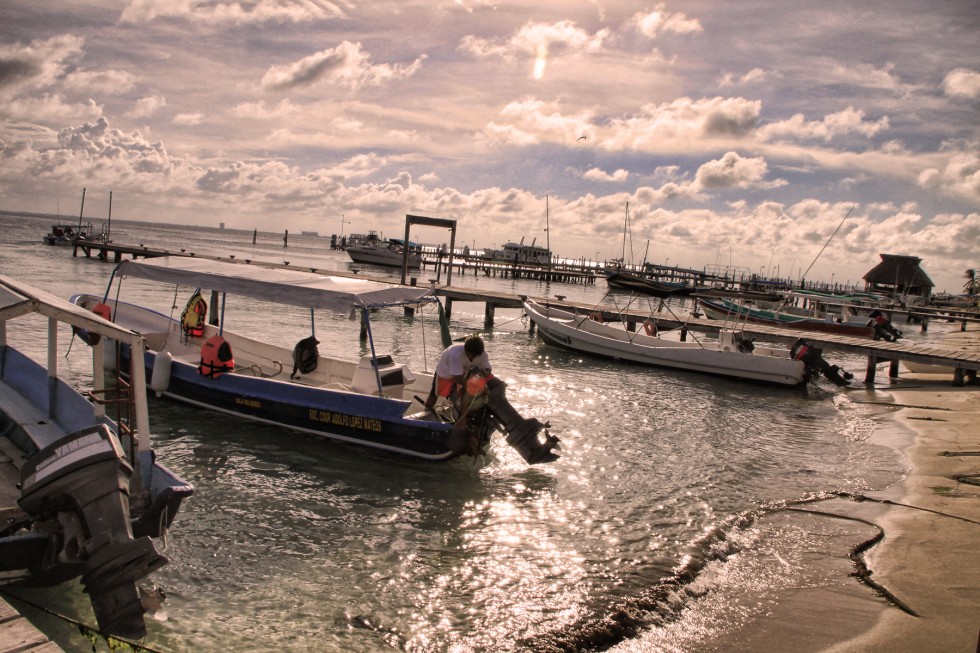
x=962 y=364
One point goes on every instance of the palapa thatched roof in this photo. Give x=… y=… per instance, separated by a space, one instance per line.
x=901 y=274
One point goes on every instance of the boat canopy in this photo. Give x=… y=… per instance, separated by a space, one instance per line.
x=17 y=299
x=281 y=286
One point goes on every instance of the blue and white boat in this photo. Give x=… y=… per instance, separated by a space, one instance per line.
x=373 y=401
x=81 y=491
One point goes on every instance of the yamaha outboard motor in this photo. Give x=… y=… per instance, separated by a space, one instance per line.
x=812 y=357
x=83 y=479
x=884 y=329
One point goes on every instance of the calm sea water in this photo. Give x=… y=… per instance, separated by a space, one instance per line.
x=295 y=544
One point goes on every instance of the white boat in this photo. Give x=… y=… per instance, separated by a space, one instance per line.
x=519 y=253
x=389 y=253
x=374 y=401
x=731 y=355
x=87 y=491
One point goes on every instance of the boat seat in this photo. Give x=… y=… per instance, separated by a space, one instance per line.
x=394 y=376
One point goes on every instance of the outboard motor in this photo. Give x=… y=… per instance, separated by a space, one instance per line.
x=884 y=329
x=812 y=357
x=485 y=398
x=83 y=479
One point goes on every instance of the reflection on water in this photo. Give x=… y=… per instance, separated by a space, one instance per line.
x=291 y=543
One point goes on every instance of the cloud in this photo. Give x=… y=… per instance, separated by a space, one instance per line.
x=735 y=171
x=347 y=65
x=962 y=83
x=531 y=121
x=667 y=125
x=848 y=122
x=596 y=174
x=660 y=21
x=235 y=13
x=754 y=76
x=108 y=82
x=960 y=177
x=532 y=37
x=188 y=119
x=147 y=106
x=37 y=65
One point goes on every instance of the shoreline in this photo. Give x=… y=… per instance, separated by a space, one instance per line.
x=928 y=557
x=930 y=560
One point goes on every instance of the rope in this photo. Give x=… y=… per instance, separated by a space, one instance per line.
x=92 y=634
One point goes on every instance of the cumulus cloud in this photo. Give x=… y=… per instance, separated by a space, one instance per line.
x=754 y=76
x=656 y=125
x=347 y=65
x=237 y=12
x=147 y=106
x=188 y=119
x=532 y=37
x=532 y=121
x=660 y=21
x=597 y=174
x=962 y=83
x=735 y=171
x=36 y=65
x=960 y=177
x=848 y=122
x=109 y=82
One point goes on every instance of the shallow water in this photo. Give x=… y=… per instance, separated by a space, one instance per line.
x=292 y=543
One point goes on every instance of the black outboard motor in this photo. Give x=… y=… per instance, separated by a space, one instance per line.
x=83 y=479
x=484 y=397
x=884 y=329
x=812 y=357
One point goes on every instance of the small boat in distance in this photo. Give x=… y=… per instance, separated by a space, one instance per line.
x=391 y=252
x=732 y=355
x=519 y=253
x=81 y=491
x=68 y=234
x=720 y=308
x=621 y=280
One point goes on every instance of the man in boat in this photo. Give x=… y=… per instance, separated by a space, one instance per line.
x=459 y=362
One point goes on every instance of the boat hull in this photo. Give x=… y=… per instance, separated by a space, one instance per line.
x=578 y=333
x=382 y=256
x=305 y=405
x=722 y=311
x=644 y=286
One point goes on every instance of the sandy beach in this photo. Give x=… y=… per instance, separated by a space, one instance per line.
x=928 y=560
x=930 y=556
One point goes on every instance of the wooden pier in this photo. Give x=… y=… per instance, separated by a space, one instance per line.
x=964 y=365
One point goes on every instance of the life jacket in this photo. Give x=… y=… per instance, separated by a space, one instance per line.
x=799 y=350
x=103 y=310
x=305 y=356
x=216 y=358
x=192 y=319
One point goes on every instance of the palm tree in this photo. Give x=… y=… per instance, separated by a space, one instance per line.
x=972 y=284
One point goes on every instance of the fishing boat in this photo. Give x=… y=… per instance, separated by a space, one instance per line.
x=388 y=253
x=622 y=280
x=81 y=490
x=732 y=355
x=720 y=308
x=519 y=253
x=68 y=234
x=374 y=401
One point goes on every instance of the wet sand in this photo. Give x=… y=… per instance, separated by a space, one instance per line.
x=931 y=560
x=929 y=557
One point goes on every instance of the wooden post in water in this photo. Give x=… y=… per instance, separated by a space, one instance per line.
x=255 y=233
x=285 y=239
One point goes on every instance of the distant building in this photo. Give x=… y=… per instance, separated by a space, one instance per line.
x=899 y=275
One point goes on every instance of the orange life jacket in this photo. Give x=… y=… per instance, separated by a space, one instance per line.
x=216 y=358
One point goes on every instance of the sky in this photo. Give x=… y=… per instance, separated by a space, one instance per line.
x=781 y=137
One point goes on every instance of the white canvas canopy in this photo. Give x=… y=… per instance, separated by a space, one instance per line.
x=293 y=287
